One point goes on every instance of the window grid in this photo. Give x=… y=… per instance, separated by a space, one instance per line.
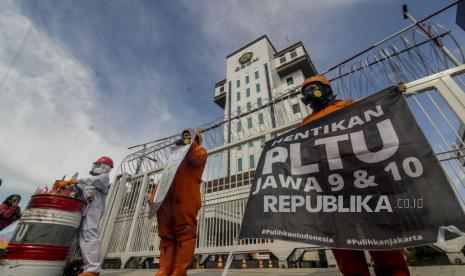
x=249 y=122
x=290 y=81
x=252 y=161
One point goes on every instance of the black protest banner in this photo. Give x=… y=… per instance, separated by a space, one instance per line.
x=362 y=177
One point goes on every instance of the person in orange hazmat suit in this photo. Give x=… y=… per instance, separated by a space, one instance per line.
x=177 y=216
x=317 y=93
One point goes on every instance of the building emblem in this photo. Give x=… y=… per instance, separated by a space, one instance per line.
x=246 y=57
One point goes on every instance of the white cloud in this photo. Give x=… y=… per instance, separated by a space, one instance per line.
x=240 y=21
x=47 y=109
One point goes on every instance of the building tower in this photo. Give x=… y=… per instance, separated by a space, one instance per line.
x=257 y=74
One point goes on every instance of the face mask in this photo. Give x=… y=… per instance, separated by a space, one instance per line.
x=318 y=96
x=99 y=168
x=186 y=138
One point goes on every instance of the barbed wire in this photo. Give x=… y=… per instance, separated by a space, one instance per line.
x=409 y=56
x=406 y=57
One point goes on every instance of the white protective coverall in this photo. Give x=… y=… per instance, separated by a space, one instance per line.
x=95 y=189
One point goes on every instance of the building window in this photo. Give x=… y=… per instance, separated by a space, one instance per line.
x=251 y=144
x=282 y=59
x=249 y=107
x=239 y=165
x=222 y=89
x=256 y=75
x=257 y=87
x=249 y=122
x=238 y=83
x=238 y=96
x=247 y=79
x=238 y=110
x=259 y=102
x=239 y=147
x=252 y=161
x=290 y=81
x=296 y=108
x=293 y=54
x=260 y=119
x=247 y=92
x=263 y=140
x=239 y=127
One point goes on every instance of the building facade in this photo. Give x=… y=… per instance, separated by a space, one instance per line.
x=257 y=73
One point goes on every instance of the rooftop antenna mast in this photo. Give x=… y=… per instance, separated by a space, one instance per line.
x=422 y=27
x=286 y=38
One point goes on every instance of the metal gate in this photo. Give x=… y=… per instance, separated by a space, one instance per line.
x=435 y=93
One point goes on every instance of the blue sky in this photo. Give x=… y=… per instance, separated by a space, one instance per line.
x=79 y=79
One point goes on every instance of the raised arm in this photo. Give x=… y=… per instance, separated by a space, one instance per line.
x=197 y=155
x=100 y=182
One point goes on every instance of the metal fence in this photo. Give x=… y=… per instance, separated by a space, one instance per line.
x=435 y=93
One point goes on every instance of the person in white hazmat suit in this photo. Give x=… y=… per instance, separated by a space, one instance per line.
x=95 y=189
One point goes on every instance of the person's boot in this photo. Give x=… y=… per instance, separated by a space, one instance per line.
x=167 y=254
x=89 y=274
x=390 y=263
x=184 y=255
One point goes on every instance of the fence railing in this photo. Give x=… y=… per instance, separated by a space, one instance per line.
x=435 y=94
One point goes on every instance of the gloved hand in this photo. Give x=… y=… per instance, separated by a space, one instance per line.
x=198 y=136
x=401 y=87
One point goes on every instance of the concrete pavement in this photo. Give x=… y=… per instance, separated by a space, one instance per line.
x=451 y=270
x=234 y=272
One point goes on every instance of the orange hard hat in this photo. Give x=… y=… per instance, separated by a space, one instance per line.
x=314 y=79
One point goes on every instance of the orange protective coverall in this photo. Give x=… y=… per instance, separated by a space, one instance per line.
x=352 y=262
x=177 y=216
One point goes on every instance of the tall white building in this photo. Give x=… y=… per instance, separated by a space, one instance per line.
x=256 y=74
